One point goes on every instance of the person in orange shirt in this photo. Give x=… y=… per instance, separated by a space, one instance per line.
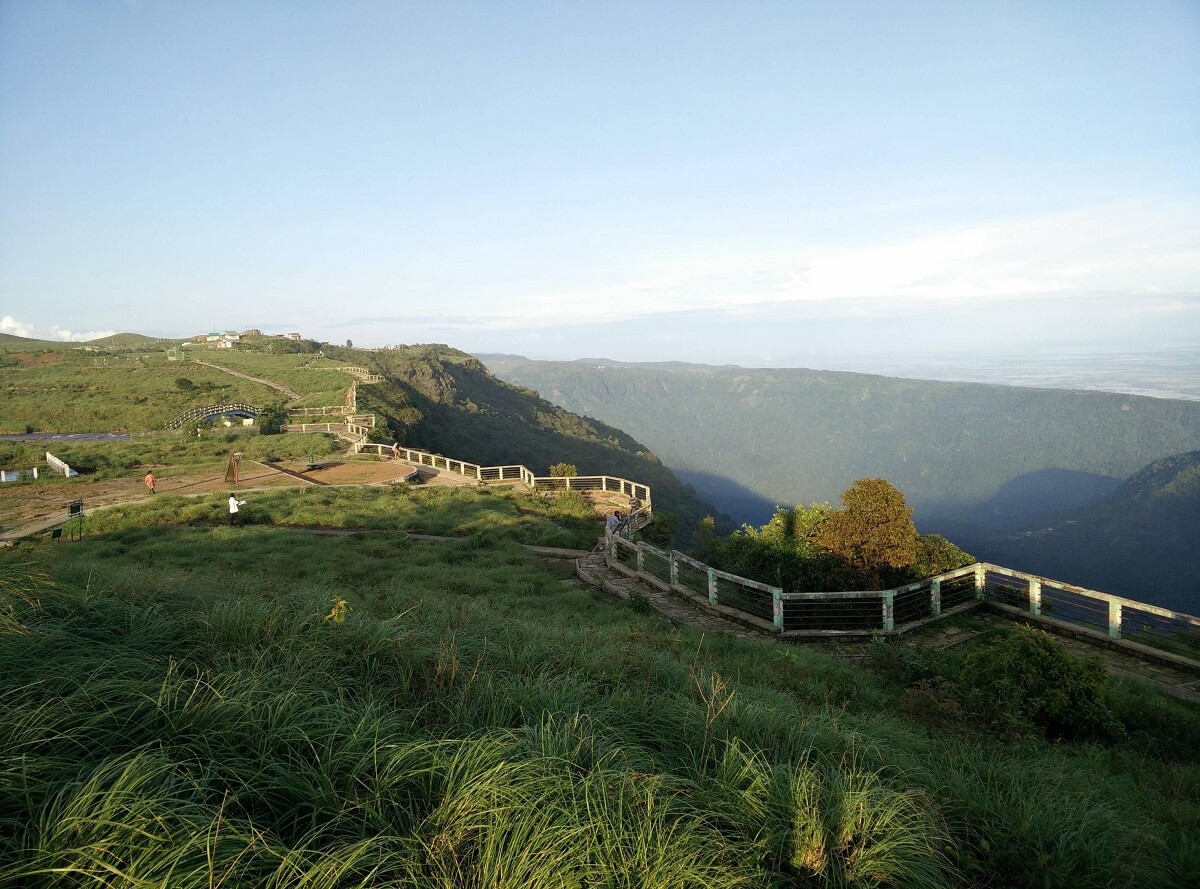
x=150 y=482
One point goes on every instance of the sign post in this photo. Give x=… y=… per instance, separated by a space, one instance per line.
x=75 y=510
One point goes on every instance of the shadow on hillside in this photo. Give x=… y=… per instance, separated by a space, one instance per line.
x=1027 y=501
x=733 y=498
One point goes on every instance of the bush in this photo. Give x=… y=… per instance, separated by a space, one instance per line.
x=563 y=470
x=1029 y=679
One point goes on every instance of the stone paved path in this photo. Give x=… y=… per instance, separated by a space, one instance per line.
x=594 y=571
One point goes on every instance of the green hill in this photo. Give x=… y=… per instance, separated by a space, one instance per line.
x=750 y=438
x=1140 y=541
x=10 y=342
x=446 y=401
x=192 y=705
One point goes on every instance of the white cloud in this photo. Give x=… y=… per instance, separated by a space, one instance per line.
x=1126 y=250
x=68 y=336
x=9 y=324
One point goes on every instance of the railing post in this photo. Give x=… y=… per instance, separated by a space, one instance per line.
x=1035 y=596
x=712 y=587
x=935 y=597
x=610 y=547
x=980 y=581
x=674 y=570
x=889 y=621
x=1114 y=619
x=777 y=607
x=640 y=557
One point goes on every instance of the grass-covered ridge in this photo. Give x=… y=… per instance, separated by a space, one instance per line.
x=486 y=513
x=182 y=706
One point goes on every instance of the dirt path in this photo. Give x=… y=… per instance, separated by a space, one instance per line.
x=32 y=508
x=278 y=387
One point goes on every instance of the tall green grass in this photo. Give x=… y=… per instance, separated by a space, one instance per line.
x=493 y=514
x=175 y=710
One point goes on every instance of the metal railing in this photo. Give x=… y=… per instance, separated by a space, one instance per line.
x=517 y=473
x=794 y=614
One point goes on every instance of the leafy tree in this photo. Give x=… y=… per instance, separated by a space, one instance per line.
x=936 y=554
x=272 y=419
x=563 y=470
x=349 y=344
x=873 y=533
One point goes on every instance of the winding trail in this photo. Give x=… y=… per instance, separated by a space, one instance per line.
x=278 y=387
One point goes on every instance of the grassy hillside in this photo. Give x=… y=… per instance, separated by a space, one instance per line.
x=74 y=391
x=204 y=706
x=750 y=438
x=446 y=401
x=1140 y=541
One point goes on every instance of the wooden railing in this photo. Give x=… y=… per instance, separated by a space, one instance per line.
x=517 y=473
x=1125 y=622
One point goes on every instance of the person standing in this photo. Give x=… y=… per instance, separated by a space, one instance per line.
x=151 y=481
x=234 y=503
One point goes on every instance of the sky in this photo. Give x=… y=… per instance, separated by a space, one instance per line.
x=755 y=183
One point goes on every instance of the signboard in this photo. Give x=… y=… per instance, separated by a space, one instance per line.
x=75 y=508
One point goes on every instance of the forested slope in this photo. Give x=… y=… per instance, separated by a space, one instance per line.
x=1139 y=542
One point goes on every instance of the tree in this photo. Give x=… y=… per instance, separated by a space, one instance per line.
x=349 y=344
x=272 y=419
x=563 y=470
x=873 y=533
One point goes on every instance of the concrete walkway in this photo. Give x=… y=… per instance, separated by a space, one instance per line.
x=593 y=570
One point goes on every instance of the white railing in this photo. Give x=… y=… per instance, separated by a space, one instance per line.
x=894 y=611
x=360 y=372
x=516 y=473
x=59 y=466
x=319 y=411
x=332 y=428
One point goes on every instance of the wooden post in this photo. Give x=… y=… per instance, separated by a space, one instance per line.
x=712 y=587
x=889 y=621
x=777 y=607
x=935 y=597
x=1114 y=619
x=641 y=559
x=1035 y=596
x=980 y=581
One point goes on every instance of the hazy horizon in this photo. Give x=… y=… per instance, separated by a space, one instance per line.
x=776 y=183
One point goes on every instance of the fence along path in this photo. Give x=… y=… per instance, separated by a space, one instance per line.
x=1134 y=626
x=517 y=473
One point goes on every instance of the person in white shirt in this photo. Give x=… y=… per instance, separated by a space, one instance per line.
x=234 y=503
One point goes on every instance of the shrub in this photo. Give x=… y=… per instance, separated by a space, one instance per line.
x=564 y=470
x=1029 y=678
